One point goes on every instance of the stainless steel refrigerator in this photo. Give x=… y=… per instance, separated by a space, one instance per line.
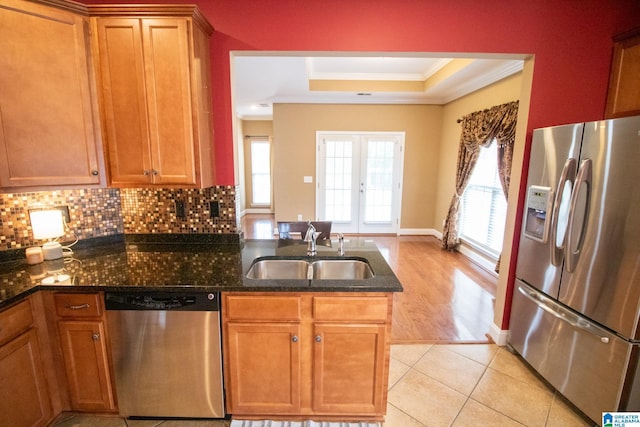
x=576 y=301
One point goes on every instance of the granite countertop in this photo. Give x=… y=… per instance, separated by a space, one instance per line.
x=179 y=264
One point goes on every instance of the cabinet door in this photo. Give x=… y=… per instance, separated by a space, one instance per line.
x=85 y=358
x=124 y=100
x=263 y=368
x=349 y=369
x=47 y=131
x=24 y=396
x=166 y=57
x=624 y=86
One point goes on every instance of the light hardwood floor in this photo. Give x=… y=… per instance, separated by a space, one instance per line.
x=446 y=299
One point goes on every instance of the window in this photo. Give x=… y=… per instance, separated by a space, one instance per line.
x=484 y=207
x=261 y=173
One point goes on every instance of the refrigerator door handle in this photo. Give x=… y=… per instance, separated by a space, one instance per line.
x=582 y=179
x=567 y=176
x=564 y=314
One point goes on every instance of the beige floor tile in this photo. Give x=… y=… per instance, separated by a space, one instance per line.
x=452 y=369
x=396 y=418
x=409 y=353
x=475 y=414
x=526 y=403
x=563 y=415
x=425 y=399
x=397 y=370
x=481 y=353
x=513 y=365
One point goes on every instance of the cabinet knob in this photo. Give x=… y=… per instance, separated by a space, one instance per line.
x=154 y=172
x=94 y=172
x=318 y=338
x=145 y=172
x=294 y=338
x=95 y=336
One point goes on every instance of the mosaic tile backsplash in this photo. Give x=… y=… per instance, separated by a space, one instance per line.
x=108 y=211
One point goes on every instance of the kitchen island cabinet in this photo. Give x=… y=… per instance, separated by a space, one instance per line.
x=153 y=67
x=24 y=393
x=306 y=354
x=49 y=125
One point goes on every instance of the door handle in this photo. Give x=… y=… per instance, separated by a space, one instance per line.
x=582 y=179
x=568 y=175
x=565 y=315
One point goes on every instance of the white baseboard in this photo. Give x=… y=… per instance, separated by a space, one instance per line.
x=257 y=211
x=420 y=232
x=499 y=336
x=488 y=264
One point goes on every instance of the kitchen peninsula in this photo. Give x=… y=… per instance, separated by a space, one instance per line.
x=327 y=327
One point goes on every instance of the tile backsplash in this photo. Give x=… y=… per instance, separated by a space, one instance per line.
x=100 y=212
x=154 y=211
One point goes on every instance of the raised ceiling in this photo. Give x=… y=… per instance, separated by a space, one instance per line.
x=260 y=80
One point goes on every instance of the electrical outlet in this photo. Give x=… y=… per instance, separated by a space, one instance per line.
x=181 y=211
x=299 y=217
x=214 y=208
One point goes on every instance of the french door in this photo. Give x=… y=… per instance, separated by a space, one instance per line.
x=359 y=183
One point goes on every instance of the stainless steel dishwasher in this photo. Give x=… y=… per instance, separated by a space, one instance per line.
x=166 y=354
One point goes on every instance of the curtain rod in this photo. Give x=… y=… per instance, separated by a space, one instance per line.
x=256 y=136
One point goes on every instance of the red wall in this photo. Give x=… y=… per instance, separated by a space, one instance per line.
x=571 y=41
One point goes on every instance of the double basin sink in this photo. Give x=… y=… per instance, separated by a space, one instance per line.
x=340 y=268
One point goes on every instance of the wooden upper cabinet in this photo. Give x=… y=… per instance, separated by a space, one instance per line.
x=48 y=133
x=154 y=74
x=624 y=85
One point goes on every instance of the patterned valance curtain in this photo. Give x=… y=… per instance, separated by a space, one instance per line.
x=479 y=129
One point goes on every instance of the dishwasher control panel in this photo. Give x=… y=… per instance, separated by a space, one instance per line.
x=205 y=301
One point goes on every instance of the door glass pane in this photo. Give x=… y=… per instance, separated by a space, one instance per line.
x=378 y=184
x=339 y=161
x=261 y=173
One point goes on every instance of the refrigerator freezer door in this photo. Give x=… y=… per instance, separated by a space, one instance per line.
x=587 y=364
x=552 y=165
x=603 y=280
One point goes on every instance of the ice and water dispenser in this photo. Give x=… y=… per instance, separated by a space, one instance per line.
x=538 y=218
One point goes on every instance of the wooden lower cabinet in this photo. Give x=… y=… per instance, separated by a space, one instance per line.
x=86 y=365
x=307 y=354
x=348 y=369
x=24 y=393
x=264 y=367
x=83 y=341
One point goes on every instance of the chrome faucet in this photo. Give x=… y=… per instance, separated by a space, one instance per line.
x=311 y=237
x=340 y=244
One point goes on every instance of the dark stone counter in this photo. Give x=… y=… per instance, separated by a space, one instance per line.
x=176 y=264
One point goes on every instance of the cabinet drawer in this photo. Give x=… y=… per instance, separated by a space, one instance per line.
x=364 y=309
x=248 y=307
x=78 y=305
x=15 y=320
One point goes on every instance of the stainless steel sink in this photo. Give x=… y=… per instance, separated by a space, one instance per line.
x=316 y=269
x=274 y=269
x=341 y=269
